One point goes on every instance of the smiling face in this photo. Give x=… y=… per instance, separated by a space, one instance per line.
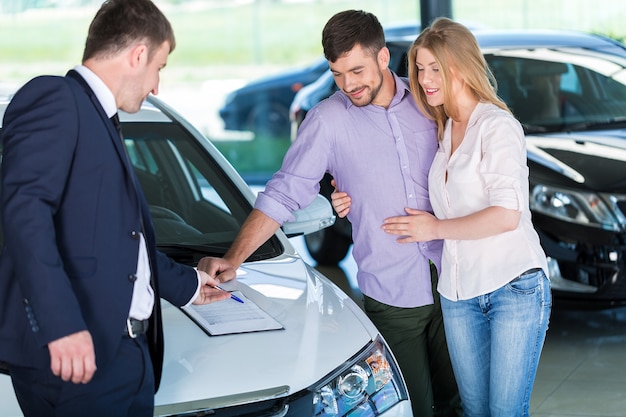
x=429 y=77
x=360 y=75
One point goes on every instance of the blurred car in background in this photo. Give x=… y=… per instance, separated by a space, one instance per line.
x=568 y=89
x=262 y=105
x=327 y=360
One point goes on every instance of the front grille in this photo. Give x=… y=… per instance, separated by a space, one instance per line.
x=296 y=405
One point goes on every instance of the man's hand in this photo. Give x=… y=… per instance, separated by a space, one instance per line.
x=208 y=291
x=218 y=268
x=341 y=201
x=72 y=358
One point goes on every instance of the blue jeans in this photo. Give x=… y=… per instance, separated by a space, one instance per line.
x=495 y=341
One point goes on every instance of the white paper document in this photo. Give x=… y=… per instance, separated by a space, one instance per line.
x=229 y=316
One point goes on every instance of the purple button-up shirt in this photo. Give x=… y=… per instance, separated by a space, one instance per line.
x=381 y=158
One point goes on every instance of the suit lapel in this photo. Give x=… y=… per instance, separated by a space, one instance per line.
x=113 y=134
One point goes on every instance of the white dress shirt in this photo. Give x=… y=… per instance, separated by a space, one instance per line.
x=488 y=168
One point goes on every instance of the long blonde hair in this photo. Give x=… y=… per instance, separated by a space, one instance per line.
x=453 y=46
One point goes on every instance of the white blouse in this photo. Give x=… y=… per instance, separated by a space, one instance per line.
x=487 y=169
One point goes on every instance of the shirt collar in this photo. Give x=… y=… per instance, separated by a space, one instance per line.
x=100 y=89
x=402 y=89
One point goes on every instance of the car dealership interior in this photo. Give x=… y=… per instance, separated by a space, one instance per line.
x=244 y=71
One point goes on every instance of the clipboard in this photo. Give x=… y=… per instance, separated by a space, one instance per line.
x=231 y=317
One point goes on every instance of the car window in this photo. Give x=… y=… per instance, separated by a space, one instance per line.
x=192 y=201
x=196 y=209
x=398 y=60
x=554 y=91
x=570 y=82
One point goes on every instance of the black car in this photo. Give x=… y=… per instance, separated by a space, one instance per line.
x=262 y=106
x=569 y=91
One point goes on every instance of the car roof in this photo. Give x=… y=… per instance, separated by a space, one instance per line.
x=148 y=112
x=532 y=38
x=543 y=38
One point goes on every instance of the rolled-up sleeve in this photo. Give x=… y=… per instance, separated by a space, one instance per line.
x=501 y=167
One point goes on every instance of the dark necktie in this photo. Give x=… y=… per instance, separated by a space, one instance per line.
x=116 y=122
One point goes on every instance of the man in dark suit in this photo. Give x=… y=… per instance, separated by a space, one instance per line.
x=80 y=276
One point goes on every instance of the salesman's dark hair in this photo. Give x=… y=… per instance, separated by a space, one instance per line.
x=120 y=23
x=349 y=28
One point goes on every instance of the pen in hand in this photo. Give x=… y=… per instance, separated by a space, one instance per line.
x=234 y=297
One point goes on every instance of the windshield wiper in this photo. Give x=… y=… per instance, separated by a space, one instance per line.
x=528 y=128
x=614 y=122
x=176 y=250
x=190 y=253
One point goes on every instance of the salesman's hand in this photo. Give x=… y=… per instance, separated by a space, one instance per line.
x=72 y=358
x=208 y=293
x=218 y=268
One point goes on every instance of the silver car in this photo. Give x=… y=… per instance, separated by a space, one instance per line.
x=327 y=359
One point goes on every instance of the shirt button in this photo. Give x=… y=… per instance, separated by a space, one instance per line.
x=132 y=277
x=134 y=234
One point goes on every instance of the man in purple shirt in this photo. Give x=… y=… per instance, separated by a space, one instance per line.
x=372 y=138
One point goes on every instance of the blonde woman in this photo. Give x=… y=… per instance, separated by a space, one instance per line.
x=495 y=295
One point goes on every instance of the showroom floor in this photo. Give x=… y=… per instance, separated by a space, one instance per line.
x=582 y=372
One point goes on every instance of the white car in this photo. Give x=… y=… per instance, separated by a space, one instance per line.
x=327 y=360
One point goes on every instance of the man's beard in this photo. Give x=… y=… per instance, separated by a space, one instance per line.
x=373 y=92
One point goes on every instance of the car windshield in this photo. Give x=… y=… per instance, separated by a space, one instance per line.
x=552 y=90
x=196 y=209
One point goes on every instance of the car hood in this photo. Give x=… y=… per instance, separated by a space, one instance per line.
x=322 y=329
x=590 y=160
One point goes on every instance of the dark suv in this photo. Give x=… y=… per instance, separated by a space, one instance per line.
x=569 y=91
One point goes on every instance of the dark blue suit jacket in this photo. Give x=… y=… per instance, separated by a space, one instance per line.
x=71 y=216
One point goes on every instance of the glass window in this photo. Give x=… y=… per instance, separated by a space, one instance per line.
x=560 y=90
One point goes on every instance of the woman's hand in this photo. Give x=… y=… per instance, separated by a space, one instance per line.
x=418 y=226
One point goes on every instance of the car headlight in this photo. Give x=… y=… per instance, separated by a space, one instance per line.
x=366 y=386
x=574 y=206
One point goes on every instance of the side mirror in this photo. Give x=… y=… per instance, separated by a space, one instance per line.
x=317 y=216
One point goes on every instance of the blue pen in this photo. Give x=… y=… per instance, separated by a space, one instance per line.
x=234 y=297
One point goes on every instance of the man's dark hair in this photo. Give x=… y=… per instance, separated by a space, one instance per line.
x=349 y=28
x=120 y=23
